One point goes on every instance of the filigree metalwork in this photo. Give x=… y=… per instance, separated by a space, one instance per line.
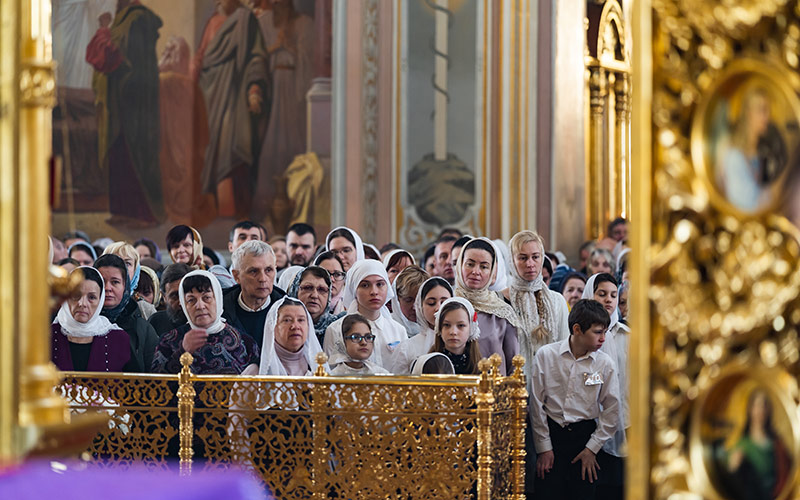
x=724 y=282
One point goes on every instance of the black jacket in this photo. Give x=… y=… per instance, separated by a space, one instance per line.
x=230 y=299
x=143 y=337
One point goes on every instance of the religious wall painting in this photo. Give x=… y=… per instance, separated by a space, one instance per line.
x=745 y=138
x=439 y=141
x=744 y=436
x=158 y=124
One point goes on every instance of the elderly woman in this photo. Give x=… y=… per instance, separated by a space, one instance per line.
x=289 y=349
x=217 y=348
x=312 y=287
x=82 y=339
x=120 y=309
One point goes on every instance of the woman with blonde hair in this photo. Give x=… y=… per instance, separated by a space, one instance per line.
x=543 y=312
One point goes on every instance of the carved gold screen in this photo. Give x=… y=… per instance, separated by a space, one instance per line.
x=318 y=437
x=715 y=354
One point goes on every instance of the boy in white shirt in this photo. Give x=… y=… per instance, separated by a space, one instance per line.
x=574 y=405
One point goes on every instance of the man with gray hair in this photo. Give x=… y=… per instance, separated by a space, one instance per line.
x=245 y=306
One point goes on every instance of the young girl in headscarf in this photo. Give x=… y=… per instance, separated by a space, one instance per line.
x=457 y=334
x=542 y=312
x=475 y=269
x=217 y=348
x=119 y=309
x=289 y=347
x=352 y=348
x=405 y=289
x=367 y=291
x=429 y=299
x=82 y=339
x=603 y=288
x=433 y=363
x=345 y=244
x=306 y=288
x=333 y=264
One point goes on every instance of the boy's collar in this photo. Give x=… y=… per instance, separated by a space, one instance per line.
x=565 y=347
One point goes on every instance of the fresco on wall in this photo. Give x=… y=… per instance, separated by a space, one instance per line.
x=441 y=94
x=189 y=112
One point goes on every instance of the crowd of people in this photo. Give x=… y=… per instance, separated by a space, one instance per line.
x=283 y=300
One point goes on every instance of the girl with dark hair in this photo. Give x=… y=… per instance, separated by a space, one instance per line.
x=185 y=246
x=457 y=334
x=333 y=264
x=345 y=244
x=82 y=339
x=352 y=348
x=120 y=309
x=475 y=270
x=430 y=297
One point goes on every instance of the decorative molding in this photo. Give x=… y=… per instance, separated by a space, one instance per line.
x=369 y=107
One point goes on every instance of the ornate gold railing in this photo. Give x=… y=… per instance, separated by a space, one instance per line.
x=371 y=437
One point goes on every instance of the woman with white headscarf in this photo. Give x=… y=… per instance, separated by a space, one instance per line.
x=290 y=347
x=287 y=277
x=397 y=260
x=352 y=346
x=433 y=363
x=475 y=269
x=84 y=340
x=366 y=292
x=429 y=299
x=405 y=289
x=602 y=287
x=345 y=244
x=456 y=335
x=543 y=313
x=217 y=347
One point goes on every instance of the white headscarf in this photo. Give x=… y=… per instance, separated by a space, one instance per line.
x=357 y=273
x=419 y=363
x=96 y=326
x=523 y=299
x=484 y=299
x=219 y=321
x=588 y=293
x=270 y=362
x=620 y=256
x=503 y=263
x=359 y=245
x=474 y=329
x=391 y=254
x=288 y=276
x=421 y=321
x=412 y=327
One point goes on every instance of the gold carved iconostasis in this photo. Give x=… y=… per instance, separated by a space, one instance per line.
x=715 y=155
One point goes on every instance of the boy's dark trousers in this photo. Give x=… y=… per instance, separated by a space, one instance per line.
x=564 y=479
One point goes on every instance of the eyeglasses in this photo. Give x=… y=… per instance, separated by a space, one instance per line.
x=369 y=338
x=322 y=290
x=338 y=275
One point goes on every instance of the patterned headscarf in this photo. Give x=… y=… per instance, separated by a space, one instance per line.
x=326 y=318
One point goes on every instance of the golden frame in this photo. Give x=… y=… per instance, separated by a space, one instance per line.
x=776 y=383
x=700 y=142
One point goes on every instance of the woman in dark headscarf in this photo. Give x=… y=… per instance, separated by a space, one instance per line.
x=119 y=309
x=317 y=302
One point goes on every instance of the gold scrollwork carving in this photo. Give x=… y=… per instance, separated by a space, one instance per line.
x=37 y=84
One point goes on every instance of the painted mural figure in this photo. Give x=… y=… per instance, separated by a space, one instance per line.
x=184 y=137
x=289 y=37
x=125 y=84
x=757 y=464
x=231 y=68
